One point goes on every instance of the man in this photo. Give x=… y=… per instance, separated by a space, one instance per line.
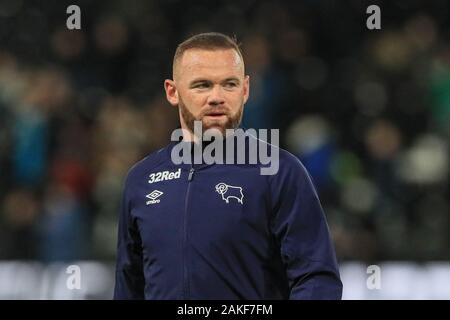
x=220 y=231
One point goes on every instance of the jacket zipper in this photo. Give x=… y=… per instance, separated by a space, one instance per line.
x=191 y=174
x=185 y=268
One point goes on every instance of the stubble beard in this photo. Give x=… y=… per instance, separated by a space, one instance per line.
x=232 y=120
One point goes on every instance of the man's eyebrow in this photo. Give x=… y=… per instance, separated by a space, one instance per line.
x=202 y=80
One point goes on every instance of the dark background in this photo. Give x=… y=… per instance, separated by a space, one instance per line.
x=367 y=111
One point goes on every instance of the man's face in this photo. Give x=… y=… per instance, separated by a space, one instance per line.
x=209 y=86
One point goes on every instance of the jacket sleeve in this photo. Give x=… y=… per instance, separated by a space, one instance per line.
x=129 y=268
x=299 y=225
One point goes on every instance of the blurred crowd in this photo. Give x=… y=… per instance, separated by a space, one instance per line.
x=367 y=112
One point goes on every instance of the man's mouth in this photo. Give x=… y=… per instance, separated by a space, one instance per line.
x=215 y=114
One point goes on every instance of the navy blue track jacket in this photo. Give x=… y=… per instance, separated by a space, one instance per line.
x=223 y=231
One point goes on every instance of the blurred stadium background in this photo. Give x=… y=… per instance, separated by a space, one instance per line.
x=368 y=113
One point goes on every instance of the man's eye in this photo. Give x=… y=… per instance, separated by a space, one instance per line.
x=201 y=86
x=230 y=84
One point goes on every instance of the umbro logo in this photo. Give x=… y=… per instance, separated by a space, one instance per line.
x=153 y=196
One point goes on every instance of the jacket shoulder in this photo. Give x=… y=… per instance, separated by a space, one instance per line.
x=290 y=168
x=290 y=161
x=149 y=162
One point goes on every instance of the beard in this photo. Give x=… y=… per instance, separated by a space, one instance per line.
x=232 y=121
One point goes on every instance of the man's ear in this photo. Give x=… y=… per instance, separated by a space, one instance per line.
x=171 y=92
x=246 y=88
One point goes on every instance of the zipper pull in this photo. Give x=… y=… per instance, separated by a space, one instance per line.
x=191 y=174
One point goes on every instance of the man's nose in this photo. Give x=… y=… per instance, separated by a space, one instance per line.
x=216 y=96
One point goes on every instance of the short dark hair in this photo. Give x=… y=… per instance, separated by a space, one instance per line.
x=207 y=41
